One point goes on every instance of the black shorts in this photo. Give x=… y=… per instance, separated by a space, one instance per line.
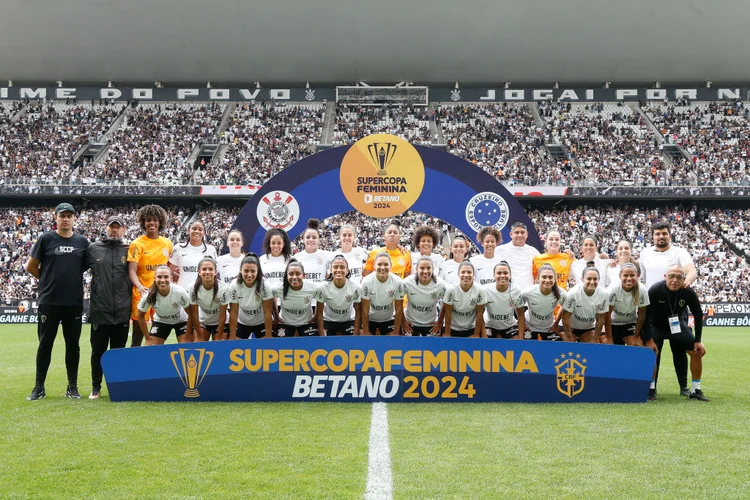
x=381 y=327
x=254 y=331
x=462 y=333
x=683 y=340
x=580 y=332
x=551 y=336
x=619 y=332
x=308 y=330
x=162 y=330
x=420 y=331
x=212 y=329
x=508 y=333
x=339 y=327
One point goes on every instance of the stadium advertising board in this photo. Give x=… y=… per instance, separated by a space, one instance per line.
x=390 y=369
x=381 y=176
x=319 y=94
x=25 y=311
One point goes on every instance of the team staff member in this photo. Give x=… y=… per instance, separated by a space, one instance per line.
x=58 y=262
x=667 y=320
x=656 y=260
x=110 y=297
x=171 y=305
x=400 y=257
x=520 y=255
x=145 y=254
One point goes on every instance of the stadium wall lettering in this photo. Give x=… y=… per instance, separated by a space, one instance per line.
x=390 y=369
x=381 y=176
x=320 y=94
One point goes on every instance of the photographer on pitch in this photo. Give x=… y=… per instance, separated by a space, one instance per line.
x=110 y=297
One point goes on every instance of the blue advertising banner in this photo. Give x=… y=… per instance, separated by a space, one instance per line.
x=389 y=369
x=382 y=176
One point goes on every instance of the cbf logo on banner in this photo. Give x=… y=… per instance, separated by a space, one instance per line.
x=392 y=369
x=382 y=176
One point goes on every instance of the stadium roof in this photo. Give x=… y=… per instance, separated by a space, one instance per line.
x=383 y=40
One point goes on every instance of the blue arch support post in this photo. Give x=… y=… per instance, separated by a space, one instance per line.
x=453 y=190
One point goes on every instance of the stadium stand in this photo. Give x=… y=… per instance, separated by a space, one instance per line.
x=410 y=122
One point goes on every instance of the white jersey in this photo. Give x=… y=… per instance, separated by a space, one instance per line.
x=356 y=259
x=315 y=264
x=186 y=258
x=625 y=312
x=421 y=308
x=273 y=269
x=521 y=260
x=208 y=306
x=250 y=302
x=655 y=263
x=577 y=267
x=296 y=308
x=613 y=273
x=540 y=308
x=464 y=313
x=448 y=271
x=339 y=302
x=499 y=313
x=584 y=308
x=382 y=295
x=484 y=268
x=228 y=267
x=437 y=259
x=169 y=310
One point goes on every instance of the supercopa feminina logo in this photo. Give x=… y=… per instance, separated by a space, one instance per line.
x=192 y=366
x=278 y=210
x=487 y=209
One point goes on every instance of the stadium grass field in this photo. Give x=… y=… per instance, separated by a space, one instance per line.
x=671 y=448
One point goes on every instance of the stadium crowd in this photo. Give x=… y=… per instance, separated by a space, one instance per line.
x=262 y=139
x=353 y=122
x=40 y=144
x=503 y=139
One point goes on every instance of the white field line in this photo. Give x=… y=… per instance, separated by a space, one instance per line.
x=379 y=480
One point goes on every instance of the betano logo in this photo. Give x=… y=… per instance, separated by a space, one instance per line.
x=192 y=371
x=570 y=373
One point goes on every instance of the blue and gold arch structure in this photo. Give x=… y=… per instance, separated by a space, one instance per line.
x=382 y=176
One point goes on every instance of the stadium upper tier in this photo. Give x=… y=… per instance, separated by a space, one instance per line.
x=716 y=239
x=547 y=143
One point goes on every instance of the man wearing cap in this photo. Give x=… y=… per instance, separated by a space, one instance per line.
x=110 y=296
x=520 y=256
x=57 y=261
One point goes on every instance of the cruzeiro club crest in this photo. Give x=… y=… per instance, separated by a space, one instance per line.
x=192 y=370
x=381 y=154
x=278 y=210
x=487 y=209
x=570 y=370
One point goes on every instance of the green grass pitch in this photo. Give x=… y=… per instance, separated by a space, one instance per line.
x=671 y=448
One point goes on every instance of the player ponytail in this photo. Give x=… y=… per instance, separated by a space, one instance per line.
x=329 y=276
x=152 y=291
x=425 y=258
x=636 y=293
x=555 y=288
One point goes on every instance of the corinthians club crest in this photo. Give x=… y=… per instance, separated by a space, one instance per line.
x=279 y=210
x=570 y=372
x=191 y=369
x=381 y=154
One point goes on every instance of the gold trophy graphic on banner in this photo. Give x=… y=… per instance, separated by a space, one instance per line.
x=381 y=154
x=192 y=371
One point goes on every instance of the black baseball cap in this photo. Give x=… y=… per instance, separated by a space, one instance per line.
x=65 y=207
x=115 y=219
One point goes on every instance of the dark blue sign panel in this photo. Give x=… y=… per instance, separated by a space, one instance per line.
x=389 y=369
x=382 y=176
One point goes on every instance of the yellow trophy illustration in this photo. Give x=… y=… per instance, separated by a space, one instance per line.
x=192 y=371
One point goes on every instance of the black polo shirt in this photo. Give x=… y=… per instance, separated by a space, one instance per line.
x=61 y=268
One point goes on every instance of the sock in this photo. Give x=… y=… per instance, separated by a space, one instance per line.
x=653 y=385
x=696 y=385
